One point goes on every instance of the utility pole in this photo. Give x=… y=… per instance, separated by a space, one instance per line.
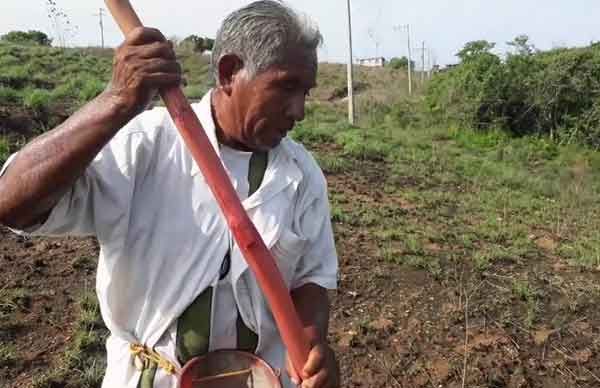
x=100 y=14
x=423 y=63
x=400 y=28
x=350 y=69
x=429 y=64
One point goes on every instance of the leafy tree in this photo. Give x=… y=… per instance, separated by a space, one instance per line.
x=29 y=37
x=554 y=92
x=522 y=46
x=400 y=63
x=198 y=44
x=475 y=49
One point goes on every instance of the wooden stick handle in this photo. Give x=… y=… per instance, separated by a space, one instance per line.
x=124 y=15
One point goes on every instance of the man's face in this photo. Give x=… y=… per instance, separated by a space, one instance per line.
x=268 y=105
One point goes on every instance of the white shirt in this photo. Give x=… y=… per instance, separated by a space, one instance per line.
x=162 y=237
x=224 y=327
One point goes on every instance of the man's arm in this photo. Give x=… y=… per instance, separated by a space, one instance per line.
x=312 y=305
x=321 y=369
x=45 y=169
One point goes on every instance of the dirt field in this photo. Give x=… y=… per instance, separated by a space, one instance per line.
x=393 y=325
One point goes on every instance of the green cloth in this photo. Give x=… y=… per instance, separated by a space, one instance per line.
x=148 y=374
x=193 y=328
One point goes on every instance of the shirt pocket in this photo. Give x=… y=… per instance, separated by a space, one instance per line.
x=288 y=250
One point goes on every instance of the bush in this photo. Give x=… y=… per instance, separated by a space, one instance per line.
x=197 y=43
x=9 y=96
x=400 y=63
x=91 y=88
x=194 y=92
x=555 y=93
x=405 y=113
x=38 y=100
x=15 y=77
x=29 y=37
x=4 y=149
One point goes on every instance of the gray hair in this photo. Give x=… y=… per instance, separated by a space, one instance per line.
x=261 y=34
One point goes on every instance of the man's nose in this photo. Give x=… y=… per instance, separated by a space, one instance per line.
x=296 y=107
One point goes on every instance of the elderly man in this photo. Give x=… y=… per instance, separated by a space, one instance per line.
x=170 y=277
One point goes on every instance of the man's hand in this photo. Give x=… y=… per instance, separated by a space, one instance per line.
x=320 y=371
x=144 y=63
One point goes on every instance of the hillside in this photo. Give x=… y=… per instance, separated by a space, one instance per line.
x=468 y=257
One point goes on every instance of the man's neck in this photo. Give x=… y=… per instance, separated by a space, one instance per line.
x=219 y=106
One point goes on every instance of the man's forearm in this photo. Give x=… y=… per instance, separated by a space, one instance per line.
x=50 y=164
x=312 y=305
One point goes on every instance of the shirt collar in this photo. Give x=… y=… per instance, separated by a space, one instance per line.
x=282 y=168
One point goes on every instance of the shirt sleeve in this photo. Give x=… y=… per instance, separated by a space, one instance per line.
x=319 y=263
x=98 y=199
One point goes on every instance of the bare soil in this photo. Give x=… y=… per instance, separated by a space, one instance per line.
x=393 y=325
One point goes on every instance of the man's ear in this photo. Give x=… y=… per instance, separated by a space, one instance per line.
x=229 y=66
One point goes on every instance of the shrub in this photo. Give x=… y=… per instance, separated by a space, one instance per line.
x=556 y=93
x=29 y=37
x=4 y=149
x=38 y=100
x=9 y=96
x=194 y=92
x=91 y=88
x=400 y=63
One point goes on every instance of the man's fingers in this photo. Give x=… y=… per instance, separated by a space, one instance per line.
x=143 y=35
x=315 y=361
x=160 y=80
x=156 y=50
x=320 y=380
x=159 y=65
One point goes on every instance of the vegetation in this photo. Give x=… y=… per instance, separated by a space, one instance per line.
x=497 y=190
x=438 y=181
x=25 y=38
x=44 y=85
x=83 y=362
x=554 y=93
x=400 y=63
x=197 y=43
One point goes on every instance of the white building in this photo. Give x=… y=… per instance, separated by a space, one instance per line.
x=371 y=62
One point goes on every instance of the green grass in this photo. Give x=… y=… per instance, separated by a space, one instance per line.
x=13 y=299
x=9 y=95
x=50 y=82
x=84 y=361
x=486 y=194
x=525 y=292
x=8 y=355
x=4 y=149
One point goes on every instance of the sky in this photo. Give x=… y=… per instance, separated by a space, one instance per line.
x=444 y=26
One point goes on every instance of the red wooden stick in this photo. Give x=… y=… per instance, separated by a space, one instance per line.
x=253 y=248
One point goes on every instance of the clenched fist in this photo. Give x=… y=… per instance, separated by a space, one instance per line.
x=144 y=63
